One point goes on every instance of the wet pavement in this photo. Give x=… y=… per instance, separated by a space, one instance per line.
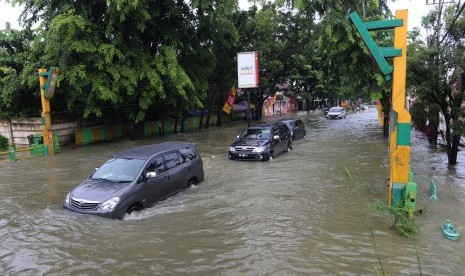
x=298 y=214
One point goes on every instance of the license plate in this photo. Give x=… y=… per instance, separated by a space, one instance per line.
x=242 y=155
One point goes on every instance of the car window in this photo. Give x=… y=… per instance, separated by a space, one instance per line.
x=275 y=131
x=157 y=165
x=172 y=159
x=188 y=153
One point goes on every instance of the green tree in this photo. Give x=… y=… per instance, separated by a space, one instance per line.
x=216 y=40
x=19 y=94
x=438 y=73
x=123 y=54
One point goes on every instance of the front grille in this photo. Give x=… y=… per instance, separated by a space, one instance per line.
x=244 y=149
x=84 y=204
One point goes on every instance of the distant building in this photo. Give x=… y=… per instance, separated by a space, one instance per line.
x=7 y=29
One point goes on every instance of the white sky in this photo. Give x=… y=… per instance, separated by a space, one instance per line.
x=416 y=8
x=9 y=14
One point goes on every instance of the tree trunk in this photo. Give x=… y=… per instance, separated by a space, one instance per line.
x=175 y=129
x=453 y=149
x=386 y=108
x=212 y=103
x=183 y=120
x=259 y=105
x=433 y=132
x=137 y=131
x=386 y=126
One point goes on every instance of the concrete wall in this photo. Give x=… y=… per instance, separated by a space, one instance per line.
x=82 y=132
x=5 y=129
x=17 y=130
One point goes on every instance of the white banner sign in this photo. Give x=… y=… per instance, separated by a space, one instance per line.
x=247 y=69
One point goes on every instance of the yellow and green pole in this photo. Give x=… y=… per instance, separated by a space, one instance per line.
x=47 y=81
x=402 y=188
x=400 y=130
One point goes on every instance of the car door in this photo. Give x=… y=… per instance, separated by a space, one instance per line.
x=193 y=166
x=155 y=188
x=275 y=143
x=177 y=171
x=284 y=136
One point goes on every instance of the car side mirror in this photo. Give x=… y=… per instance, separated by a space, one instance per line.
x=237 y=137
x=150 y=175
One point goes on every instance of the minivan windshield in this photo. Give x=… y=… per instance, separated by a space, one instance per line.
x=119 y=170
x=256 y=133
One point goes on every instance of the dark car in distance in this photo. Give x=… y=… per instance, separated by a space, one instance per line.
x=137 y=178
x=261 y=141
x=296 y=126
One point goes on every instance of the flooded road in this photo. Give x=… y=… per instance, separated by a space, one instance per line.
x=299 y=214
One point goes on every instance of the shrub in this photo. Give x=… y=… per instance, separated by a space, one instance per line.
x=3 y=142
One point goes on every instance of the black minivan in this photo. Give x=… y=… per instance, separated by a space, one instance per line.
x=261 y=142
x=137 y=178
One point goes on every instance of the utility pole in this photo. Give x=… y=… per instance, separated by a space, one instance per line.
x=47 y=81
x=402 y=187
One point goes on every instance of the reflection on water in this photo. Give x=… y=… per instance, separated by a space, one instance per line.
x=297 y=214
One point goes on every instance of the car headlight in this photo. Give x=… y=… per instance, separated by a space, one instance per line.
x=259 y=149
x=232 y=149
x=109 y=204
x=67 y=199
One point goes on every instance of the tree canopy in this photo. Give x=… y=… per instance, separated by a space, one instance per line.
x=144 y=59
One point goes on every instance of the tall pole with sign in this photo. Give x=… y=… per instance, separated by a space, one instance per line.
x=247 y=74
x=47 y=81
x=402 y=188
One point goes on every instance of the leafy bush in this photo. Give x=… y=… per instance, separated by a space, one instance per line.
x=3 y=142
x=402 y=224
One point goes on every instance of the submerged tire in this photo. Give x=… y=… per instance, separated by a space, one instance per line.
x=191 y=182
x=266 y=158
x=132 y=208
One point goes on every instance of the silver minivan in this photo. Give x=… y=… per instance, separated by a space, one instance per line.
x=136 y=179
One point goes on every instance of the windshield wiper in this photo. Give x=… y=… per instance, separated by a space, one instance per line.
x=105 y=179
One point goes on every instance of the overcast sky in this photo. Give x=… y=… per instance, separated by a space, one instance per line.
x=416 y=8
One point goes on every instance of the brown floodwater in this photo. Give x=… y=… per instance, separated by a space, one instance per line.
x=299 y=214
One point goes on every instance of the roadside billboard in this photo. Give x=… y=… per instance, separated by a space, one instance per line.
x=247 y=69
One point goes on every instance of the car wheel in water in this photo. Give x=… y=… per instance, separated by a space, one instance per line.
x=132 y=208
x=266 y=157
x=191 y=182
